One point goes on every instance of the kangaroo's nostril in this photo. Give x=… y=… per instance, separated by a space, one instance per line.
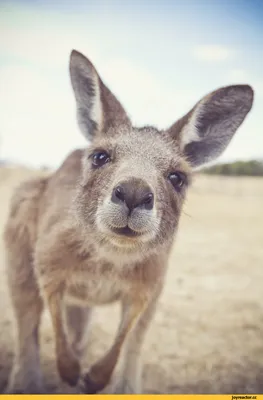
x=119 y=193
x=148 y=200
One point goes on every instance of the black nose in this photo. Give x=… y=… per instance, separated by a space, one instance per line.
x=134 y=193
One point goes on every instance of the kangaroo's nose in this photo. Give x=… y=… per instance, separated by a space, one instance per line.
x=134 y=193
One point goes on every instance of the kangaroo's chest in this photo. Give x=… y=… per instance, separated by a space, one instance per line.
x=91 y=284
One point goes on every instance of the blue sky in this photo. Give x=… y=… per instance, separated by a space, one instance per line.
x=159 y=58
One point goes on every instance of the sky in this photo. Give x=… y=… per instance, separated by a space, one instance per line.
x=158 y=57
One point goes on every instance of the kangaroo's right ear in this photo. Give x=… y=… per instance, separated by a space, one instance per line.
x=98 y=110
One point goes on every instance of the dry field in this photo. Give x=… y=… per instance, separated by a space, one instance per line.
x=207 y=336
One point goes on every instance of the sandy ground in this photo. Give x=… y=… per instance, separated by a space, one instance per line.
x=207 y=336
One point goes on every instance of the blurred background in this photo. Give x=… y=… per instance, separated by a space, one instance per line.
x=159 y=58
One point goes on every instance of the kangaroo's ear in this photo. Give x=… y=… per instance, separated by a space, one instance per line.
x=98 y=110
x=205 y=132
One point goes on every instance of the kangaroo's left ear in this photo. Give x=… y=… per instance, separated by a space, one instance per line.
x=205 y=132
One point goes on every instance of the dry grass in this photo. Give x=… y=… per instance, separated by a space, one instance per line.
x=207 y=336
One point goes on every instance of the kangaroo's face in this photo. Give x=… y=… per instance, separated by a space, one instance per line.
x=134 y=180
x=133 y=187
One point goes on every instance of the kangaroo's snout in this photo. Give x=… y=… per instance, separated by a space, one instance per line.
x=130 y=210
x=134 y=193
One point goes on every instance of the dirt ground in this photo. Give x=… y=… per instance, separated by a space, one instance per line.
x=207 y=336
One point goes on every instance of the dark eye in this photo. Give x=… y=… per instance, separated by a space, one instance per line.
x=177 y=179
x=100 y=158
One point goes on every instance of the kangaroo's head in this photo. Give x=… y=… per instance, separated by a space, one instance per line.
x=134 y=180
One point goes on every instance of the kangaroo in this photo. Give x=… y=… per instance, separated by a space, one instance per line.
x=100 y=229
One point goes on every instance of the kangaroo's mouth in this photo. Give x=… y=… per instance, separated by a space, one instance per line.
x=126 y=231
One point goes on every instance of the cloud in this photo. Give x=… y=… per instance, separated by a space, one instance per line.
x=212 y=53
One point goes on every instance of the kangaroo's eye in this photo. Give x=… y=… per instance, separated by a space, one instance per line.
x=177 y=179
x=100 y=158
